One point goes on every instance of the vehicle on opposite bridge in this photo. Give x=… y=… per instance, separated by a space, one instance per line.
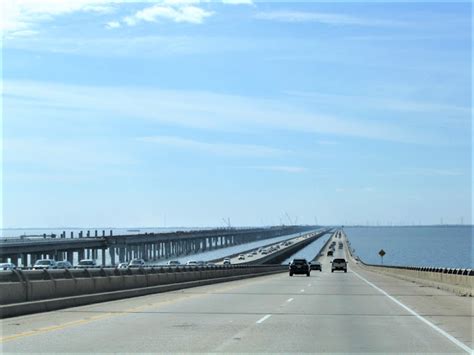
x=64 y=264
x=42 y=264
x=7 y=266
x=86 y=264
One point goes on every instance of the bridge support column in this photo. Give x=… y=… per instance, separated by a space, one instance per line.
x=103 y=257
x=112 y=255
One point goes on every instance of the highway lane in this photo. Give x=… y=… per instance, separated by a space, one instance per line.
x=327 y=312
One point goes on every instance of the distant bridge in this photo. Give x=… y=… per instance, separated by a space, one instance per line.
x=120 y=248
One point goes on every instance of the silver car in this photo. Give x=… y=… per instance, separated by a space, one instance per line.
x=7 y=266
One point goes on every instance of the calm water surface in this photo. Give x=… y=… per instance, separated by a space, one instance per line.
x=440 y=246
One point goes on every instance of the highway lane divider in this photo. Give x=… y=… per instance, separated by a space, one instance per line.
x=25 y=292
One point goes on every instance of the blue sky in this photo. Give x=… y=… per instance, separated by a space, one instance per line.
x=118 y=113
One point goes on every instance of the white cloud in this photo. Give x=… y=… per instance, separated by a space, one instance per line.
x=225 y=149
x=18 y=15
x=323 y=18
x=237 y=2
x=186 y=13
x=112 y=24
x=22 y=15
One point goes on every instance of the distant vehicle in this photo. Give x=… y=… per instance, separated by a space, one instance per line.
x=260 y=250
x=299 y=266
x=122 y=266
x=200 y=263
x=339 y=264
x=86 y=264
x=264 y=252
x=226 y=261
x=7 y=266
x=254 y=252
x=191 y=263
x=316 y=265
x=330 y=253
x=43 y=264
x=210 y=264
x=241 y=257
x=250 y=255
x=64 y=264
x=137 y=263
x=173 y=263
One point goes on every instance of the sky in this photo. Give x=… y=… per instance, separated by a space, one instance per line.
x=188 y=113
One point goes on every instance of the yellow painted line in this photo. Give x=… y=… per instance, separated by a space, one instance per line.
x=112 y=314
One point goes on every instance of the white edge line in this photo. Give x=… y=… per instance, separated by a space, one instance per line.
x=424 y=320
x=263 y=319
x=289 y=300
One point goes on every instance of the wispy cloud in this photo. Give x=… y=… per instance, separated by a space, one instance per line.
x=194 y=109
x=383 y=103
x=215 y=148
x=322 y=18
x=280 y=168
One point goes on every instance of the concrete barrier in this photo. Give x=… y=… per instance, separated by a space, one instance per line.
x=22 y=308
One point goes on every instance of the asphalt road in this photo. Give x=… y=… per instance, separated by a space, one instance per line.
x=326 y=312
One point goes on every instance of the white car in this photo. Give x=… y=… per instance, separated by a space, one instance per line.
x=191 y=263
x=173 y=263
x=43 y=264
x=241 y=257
x=226 y=261
x=122 y=266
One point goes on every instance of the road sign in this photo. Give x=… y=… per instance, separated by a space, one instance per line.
x=382 y=252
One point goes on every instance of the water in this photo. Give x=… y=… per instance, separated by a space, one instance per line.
x=438 y=246
x=309 y=251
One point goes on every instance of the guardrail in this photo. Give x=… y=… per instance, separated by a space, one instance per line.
x=24 y=292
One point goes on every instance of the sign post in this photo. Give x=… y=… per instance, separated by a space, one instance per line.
x=382 y=253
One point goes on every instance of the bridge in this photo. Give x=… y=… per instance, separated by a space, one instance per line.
x=364 y=310
x=112 y=249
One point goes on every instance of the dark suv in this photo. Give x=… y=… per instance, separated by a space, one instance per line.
x=339 y=264
x=300 y=266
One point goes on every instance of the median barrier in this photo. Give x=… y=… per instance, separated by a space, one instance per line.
x=44 y=285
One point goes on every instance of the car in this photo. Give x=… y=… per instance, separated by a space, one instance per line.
x=241 y=257
x=64 y=264
x=316 y=265
x=200 y=263
x=209 y=264
x=137 y=263
x=250 y=255
x=7 y=266
x=330 y=253
x=122 y=266
x=191 y=263
x=226 y=261
x=86 y=264
x=43 y=264
x=299 y=266
x=173 y=263
x=339 y=264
